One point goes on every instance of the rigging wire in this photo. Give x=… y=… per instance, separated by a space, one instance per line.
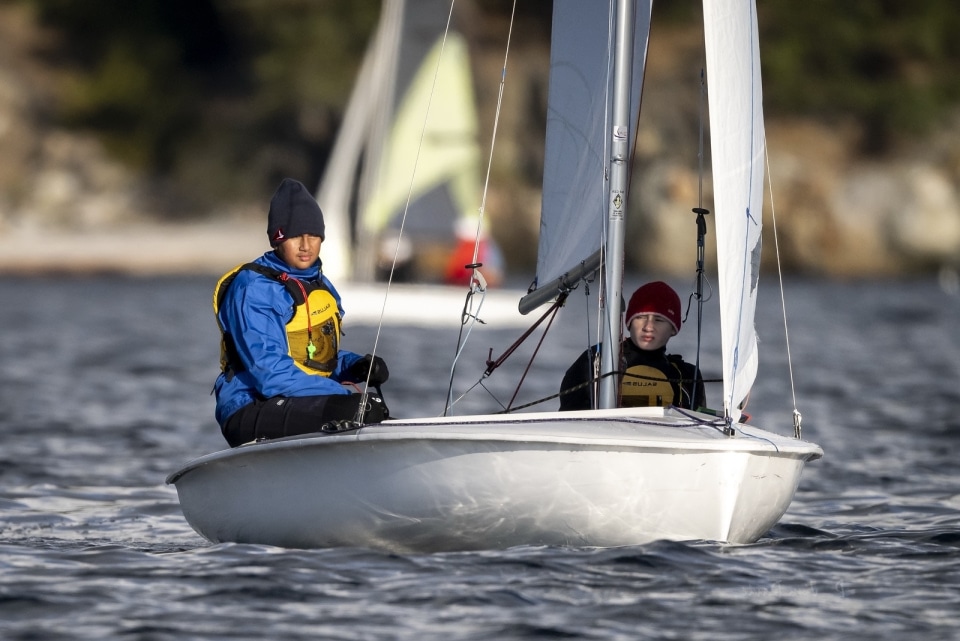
x=477 y=281
x=602 y=298
x=797 y=417
x=701 y=233
x=406 y=208
x=594 y=389
x=493 y=139
x=494 y=364
x=468 y=318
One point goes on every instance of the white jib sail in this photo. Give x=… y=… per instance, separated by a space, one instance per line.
x=737 y=147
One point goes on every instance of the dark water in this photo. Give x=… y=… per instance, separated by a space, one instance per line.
x=104 y=390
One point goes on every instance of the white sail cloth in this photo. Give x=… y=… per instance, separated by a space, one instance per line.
x=579 y=131
x=737 y=145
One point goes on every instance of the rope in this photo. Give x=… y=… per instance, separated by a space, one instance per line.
x=797 y=417
x=552 y=311
x=535 y=352
x=468 y=319
x=564 y=392
x=599 y=336
x=477 y=281
x=493 y=141
x=593 y=381
x=494 y=364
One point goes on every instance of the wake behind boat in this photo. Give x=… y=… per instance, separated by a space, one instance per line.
x=601 y=477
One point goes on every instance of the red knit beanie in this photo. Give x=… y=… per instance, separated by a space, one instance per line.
x=655 y=298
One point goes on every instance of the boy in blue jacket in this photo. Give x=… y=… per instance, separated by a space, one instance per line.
x=282 y=368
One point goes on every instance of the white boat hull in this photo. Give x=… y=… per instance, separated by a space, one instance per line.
x=600 y=478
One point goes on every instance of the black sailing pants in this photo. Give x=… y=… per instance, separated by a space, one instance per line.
x=293 y=415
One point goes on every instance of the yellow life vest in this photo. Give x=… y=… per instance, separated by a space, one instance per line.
x=313 y=334
x=646 y=386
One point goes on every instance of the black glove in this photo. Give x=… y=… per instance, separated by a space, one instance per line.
x=375 y=366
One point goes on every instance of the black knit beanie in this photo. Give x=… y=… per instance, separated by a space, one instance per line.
x=293 y=212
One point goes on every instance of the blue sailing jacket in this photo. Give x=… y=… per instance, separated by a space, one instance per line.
x=254 y=311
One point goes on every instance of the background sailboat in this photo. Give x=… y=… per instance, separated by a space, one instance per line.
x=410 y=133
x=599 y=477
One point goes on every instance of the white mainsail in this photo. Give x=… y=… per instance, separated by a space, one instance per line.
x=579 y=121
x=737 y=145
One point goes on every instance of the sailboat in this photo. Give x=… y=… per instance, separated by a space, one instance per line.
x=601 y=477
x=403 y=180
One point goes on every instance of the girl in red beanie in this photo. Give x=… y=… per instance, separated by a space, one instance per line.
x=651 y=377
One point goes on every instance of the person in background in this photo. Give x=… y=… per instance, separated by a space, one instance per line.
x=282 y=369
x=489 y=256
x=650 y=375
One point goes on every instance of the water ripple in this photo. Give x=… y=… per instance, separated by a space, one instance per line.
x=94 y=546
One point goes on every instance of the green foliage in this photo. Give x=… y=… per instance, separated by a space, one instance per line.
x=888 y=64
x=242 y=91
x=136 y=70
x=228 y=95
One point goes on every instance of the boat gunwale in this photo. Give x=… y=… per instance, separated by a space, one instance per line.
x=747 y=439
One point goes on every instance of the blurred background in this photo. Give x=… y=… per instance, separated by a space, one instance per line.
x=149 y=135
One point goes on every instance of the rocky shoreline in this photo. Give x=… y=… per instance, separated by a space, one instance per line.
x=65 y=205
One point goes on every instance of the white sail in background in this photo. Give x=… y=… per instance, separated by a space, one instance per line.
x=365 y=108
x=391 y=147
x=577 y=153
x=737 y=146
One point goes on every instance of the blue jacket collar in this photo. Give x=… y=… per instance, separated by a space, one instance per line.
x=272 y=259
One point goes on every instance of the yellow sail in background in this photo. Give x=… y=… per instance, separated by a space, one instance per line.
x=407 y=155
